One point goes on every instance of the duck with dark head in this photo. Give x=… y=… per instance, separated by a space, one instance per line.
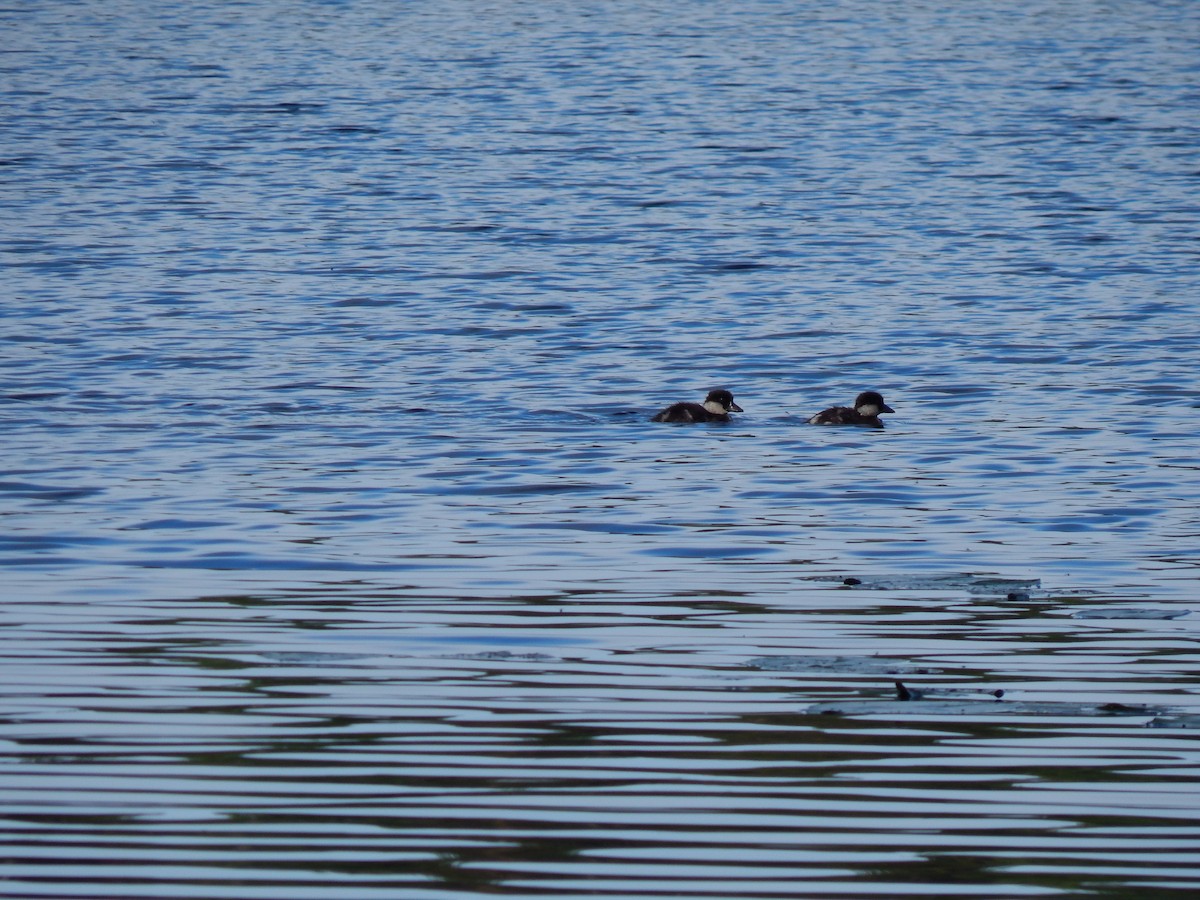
x=716 y=408
x=865 y=411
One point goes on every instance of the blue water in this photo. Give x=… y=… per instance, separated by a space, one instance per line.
x=341 y=558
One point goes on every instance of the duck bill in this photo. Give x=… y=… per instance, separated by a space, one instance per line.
x=733 y=407
x=886 y=408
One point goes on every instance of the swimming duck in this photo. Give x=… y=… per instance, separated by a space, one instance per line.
x=865 y=411
x=716 y=408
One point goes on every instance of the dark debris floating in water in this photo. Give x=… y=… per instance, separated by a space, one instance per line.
x=1013 y=588
x=969 y=704
x=904 y=692
x=966 y=708
x=1119 y=613
x=965 y=702
x=864 y=665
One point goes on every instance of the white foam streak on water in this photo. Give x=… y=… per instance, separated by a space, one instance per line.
x=342 y=560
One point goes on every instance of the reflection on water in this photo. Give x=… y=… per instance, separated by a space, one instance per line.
x=342 y=560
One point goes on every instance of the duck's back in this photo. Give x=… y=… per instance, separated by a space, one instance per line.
x=844 y=415
x=687 y=412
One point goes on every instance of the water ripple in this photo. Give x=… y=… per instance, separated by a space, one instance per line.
x=343 y=560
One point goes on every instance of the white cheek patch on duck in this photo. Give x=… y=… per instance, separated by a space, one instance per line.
x=869 y=410
x=714 y=407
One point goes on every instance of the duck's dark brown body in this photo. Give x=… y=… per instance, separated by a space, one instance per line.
x=865 y=411
x=716 y=408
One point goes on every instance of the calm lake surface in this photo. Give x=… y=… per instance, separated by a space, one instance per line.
x=342 y=562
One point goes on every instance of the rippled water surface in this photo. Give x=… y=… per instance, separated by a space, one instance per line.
x=342 y=561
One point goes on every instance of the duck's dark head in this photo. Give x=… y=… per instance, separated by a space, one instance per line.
x=720 y=401
x=870 y=404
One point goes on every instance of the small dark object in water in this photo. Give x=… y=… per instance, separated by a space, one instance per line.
x=907 y=693
x=1121 y=708
x=716 y=408
x=851 y=581
x=1017 y=595
x=999 y=695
